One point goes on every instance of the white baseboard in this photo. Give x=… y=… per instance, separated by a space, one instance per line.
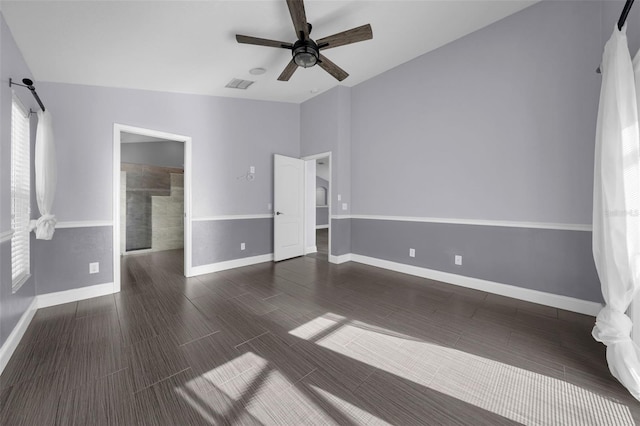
x=311 y=249
x=340 y=259
x=322 y=226
x=549 y=299
x=60 y=297
x=14 y=338
x=230 y=264
x=44 y=301
x=134 y=252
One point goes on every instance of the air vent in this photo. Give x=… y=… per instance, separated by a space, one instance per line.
x=238 y=83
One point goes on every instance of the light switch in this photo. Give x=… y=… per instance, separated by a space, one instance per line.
x=339 y=197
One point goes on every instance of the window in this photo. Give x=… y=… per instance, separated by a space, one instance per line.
x=20 y=194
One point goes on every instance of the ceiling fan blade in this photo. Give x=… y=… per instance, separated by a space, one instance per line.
x=288 y=71
x=299 y=18
x=262 y=41
x=332 y=68
x=353 y=35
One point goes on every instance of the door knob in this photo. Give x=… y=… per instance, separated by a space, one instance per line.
x=278 y=213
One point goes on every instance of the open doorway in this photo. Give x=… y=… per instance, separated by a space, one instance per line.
x=152 y=188
x=151 y=194
x=318 y=205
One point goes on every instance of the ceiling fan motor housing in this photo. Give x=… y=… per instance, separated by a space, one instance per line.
x=305 y=53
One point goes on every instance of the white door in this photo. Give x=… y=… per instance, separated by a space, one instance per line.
x=288 y=206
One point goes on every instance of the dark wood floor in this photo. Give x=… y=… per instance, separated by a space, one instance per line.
x=306 y=342
x=322 y=245
x=322 y=241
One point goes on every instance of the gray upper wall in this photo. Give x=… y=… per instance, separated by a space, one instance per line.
x=161 y=154
x=229 y=136
x=498 y=125
x=325 y=122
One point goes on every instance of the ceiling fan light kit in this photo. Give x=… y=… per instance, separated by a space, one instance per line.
x=305 y=51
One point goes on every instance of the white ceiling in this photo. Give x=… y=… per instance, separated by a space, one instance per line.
x=189 y=46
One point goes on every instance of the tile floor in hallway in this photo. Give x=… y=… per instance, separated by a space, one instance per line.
x=322 y=246
x=306 y=342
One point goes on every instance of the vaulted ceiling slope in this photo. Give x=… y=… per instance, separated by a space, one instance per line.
x=190 y=46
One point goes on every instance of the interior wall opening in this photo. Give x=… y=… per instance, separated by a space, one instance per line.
x=151 y=194
x=318 y=200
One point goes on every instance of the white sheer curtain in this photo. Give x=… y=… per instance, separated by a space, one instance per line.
x=616 y=210
x=46 y=177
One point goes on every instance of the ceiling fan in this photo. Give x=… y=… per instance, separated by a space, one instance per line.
x=305 y=51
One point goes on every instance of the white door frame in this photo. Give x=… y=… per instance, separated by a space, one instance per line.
x=329 y=197
x=117 y=131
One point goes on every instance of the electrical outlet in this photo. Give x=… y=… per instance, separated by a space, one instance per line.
x=457 y=260
x=269 y=206
x=412 y=252
x=344 y=206
x=252 y=169
x=94 y=267
x=242 y=246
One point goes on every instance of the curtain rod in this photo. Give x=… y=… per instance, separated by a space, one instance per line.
x=621 y=21
x=624 y=14
x=29 y=85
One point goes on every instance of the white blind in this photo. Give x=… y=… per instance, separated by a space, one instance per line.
x=20 y=193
